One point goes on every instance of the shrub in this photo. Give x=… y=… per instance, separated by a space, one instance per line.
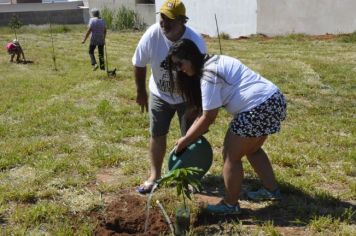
x=224 y=36
x=122 y=19
x=107 y=15
x=349 y=38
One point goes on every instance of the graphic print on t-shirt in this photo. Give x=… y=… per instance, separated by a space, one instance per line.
x=164 y=84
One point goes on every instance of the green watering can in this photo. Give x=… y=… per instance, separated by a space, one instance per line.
x=198 y=154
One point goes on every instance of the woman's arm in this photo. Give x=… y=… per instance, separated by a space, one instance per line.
x=199 y=127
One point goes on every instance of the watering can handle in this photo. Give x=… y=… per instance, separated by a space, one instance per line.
x=181 y=152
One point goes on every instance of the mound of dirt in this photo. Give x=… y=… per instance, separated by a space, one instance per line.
x=126 y=215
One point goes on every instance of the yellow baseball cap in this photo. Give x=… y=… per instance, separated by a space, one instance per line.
x=172 y=9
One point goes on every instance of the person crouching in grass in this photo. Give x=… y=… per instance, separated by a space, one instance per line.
x=14 y=48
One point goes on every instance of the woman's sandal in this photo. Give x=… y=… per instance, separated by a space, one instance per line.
x=146 y=187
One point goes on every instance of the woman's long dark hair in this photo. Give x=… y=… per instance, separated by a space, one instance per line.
x=187 y=86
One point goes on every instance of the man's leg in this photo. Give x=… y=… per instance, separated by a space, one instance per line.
x=161 y=114
x=101 y=57
x=91 y=54
x=157 y=152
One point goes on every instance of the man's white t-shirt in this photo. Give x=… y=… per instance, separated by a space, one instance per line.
x=153 y=49
x=229 y=83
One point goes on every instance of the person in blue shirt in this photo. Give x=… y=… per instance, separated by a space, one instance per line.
x=97 y=29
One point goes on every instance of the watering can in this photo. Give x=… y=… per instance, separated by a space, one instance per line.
x=198 y=154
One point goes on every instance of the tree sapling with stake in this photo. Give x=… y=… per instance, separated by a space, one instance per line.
x=15 y=24
x=53 y=53
x=181 y=178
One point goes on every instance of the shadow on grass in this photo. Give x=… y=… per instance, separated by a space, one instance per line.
x=297 y=208
x=25 y=62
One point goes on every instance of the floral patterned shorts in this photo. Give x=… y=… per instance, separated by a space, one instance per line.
x=262 y=120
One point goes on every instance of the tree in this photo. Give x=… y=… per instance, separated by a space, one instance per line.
x=15 y=24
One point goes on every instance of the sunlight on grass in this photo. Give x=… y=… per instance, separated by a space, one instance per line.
x=269 y=229
x=69 y=139
x=320 y=224
x=43 y=212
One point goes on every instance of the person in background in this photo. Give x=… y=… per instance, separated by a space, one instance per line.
x=14 y=48
x=163 y=101
x=208 y=82
x=97 y=29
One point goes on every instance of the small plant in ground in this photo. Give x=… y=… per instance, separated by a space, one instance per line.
x=181 y=178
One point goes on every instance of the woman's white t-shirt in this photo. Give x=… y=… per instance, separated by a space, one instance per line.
x=228 y=83
x=153 y=49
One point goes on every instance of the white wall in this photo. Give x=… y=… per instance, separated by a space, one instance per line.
x=271 y=17
x=110 y=3
x=313 y=17
x=147 y=13
x=235 y=17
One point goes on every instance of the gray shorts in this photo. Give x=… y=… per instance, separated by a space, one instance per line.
x=161 y=114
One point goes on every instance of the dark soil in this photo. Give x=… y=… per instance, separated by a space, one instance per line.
x=126 y=215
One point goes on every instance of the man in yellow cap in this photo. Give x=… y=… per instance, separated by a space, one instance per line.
x=163 y=103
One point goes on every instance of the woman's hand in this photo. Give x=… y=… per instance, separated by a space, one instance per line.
x=181 y=145
x=199 y=127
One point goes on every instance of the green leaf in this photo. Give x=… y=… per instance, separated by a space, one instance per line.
x=187 y=194
x=179 y=189
x=182 y=178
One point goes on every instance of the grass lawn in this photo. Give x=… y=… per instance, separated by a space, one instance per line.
x=71 y=139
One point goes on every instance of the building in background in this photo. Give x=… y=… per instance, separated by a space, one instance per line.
x=38 y=12
x=69 y=11
x=234 y=17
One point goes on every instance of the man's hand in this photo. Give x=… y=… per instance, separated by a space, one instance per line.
x=140 y=80
x=142 y=100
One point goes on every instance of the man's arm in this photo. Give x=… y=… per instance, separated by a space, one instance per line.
x=140 y=79
x=86 y=35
